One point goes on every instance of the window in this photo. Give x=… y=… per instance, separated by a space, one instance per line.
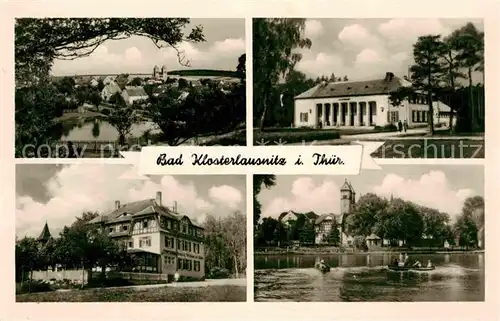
x=304 y=117
x=180 y=264
x=145 y=224
x=169 y=224
x=190 y=265
x=124 y=227
x=413 y=116
x=197 y=266
x=425 y=114
x=111 y=229
x=178 y=244
x=394 y=116
x=131 y=244
x=145 y=241
x=170 y=260
x=189 y=246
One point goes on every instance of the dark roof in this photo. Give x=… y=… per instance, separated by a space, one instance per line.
x=354 y=88
x=347 y=186
x=136 y=91
x=309 y=215
x=322 y=217
x=135 y=209
x=45 y=235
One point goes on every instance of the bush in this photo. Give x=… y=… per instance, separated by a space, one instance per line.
x=35 y=286
x=218 y=273
x=296 y=136
x=111 y=282
x=387 y=128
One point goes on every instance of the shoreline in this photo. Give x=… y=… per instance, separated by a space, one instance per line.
x=440 y=251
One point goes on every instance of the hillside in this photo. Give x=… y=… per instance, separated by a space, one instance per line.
x=203 y=72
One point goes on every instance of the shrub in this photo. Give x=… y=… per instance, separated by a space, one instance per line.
x=218 y=273
x=297 y=136
x=387 y=128
x=35 y=286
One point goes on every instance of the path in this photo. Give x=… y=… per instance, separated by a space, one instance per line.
x=214 y=282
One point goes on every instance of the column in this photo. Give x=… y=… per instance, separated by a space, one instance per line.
x=356 y=113
x=323 y=115
x=348 y=115
x=339 y=113
x=365 y=113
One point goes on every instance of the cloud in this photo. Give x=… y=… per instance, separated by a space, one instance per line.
x=139 y=55
x=313 y=28
x=79 y=188
x=357 y=36
x=321 y=64
x=306 y=196
x=408 y=30
x=226 y=195
x=431 y=189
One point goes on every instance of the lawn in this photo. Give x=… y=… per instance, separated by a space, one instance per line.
x=216 y=293
x=431 y=148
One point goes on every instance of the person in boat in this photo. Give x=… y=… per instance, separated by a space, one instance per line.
x=322 y=265
x=417 y=264
x=429 y=264
x=401 y=261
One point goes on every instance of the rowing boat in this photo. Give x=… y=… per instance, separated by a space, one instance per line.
x=409 y=268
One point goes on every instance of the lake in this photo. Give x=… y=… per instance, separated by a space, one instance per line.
x=365 y=277
x=100 y=130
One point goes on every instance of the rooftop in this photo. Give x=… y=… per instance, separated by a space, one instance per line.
x=136 y=91
x=389 y=83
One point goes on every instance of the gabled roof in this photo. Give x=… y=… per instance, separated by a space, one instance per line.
x=309 y=215
x=354 y=88
x=128 y=211
x=347 y=186
x=323 y=217
x=136 y=91
x=45 y=235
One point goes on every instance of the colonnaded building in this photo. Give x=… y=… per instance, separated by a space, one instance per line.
x=363 y=104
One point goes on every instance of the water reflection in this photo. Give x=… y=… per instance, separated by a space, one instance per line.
x=98 y=129
x=458 y=277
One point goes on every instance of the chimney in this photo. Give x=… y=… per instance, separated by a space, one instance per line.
x=158 y=198
x=175 y=206
x=117 y=205
x=389 y=76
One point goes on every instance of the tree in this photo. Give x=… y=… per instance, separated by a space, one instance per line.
x=470 y=45
x=259 y=181
x=27 y=256
x=333 y=237
x=364 y=217
x=307 y=233
x=136 y=81
x=66 y=86
x=235 y=234
x=436 y=227
x=122 y=118
x=38 y=42
x=95 y=99
x=345 y=78
x=466 y=231
x=274 y=55
x=100 y=85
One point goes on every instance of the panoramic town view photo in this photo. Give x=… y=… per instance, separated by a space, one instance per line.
x=92 y=87
x=416 y=84
x=406 y=233
x=101 y=233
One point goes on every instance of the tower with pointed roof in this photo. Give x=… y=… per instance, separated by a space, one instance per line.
x=45 y=236
x=347 y=202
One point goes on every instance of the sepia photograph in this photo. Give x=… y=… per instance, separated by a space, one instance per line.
x=415 y=84
x=92 y=87
x=102 y=233
x=405 y=233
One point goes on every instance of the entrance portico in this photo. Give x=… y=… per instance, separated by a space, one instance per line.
x=346 y=114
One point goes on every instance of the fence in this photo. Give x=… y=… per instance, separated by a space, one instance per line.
x=72 y=275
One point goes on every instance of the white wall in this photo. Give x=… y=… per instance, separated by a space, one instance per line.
x=304 y=105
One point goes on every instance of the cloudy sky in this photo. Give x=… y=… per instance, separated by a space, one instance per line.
x=57 y=194
x=367 y=48
x=441 y=187
x=225 y=42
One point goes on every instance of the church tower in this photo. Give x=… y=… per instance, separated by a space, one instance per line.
x=347 y=202
x=45 y=236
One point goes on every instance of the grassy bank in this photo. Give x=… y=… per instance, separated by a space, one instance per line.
x=224 y=293
x=431 y=148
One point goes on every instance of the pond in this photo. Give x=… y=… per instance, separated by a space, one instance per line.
x=93 y=129
x=365 y=277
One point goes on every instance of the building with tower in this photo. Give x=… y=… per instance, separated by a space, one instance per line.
x=160 y=73
x=45 y=236
x=325 y=223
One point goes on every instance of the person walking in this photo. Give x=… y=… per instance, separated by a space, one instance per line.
x=405 y=125
x=400 y=126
